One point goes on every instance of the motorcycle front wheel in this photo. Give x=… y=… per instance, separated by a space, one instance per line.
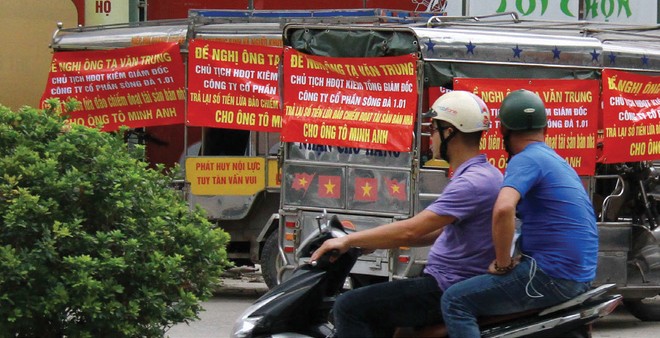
x=645 y=309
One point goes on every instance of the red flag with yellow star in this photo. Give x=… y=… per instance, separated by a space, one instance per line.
x=329 y=186
x=366 y=189
x=396 y=189
x=301 y=181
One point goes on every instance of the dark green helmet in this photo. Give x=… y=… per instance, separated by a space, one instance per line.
x=523 y=110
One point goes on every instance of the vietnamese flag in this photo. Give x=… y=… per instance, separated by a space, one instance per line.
x=366 y=189
x=301 y=181
x=329 y=186
x=396 y=189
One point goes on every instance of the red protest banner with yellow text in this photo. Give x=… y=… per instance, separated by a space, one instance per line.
x=631 y=117
x=233 y=86
x=571 y=107
x=350 y=102
x=135 y=86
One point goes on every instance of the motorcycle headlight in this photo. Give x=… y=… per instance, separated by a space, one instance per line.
x=246 y=323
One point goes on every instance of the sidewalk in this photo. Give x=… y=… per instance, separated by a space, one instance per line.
x=243 y=280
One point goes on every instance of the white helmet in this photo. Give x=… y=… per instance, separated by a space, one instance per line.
x=464 y=110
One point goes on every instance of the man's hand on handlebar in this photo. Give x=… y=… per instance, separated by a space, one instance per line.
x=333 y=247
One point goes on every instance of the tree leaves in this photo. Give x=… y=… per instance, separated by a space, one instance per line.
x=92 y=242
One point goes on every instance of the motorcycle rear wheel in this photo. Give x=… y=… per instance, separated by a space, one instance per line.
x=645 y=309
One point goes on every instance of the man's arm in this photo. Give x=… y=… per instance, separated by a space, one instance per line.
x=416 y=231
x=426 y=240
x=504 y=227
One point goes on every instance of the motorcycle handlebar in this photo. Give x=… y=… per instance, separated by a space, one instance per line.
x=325 y=259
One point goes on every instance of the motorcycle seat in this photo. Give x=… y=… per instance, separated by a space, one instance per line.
x=439 y=330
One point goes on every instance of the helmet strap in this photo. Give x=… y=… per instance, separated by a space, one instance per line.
x=506 y=137
x=530 y=121
x=444 y=143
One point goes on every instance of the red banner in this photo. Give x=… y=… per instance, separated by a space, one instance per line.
x=350 y=102
x=572 y=111
x=233 y=86
x=136 y=86
x=631 y=117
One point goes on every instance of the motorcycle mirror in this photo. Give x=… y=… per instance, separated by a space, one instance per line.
x=653 y=177
x=336 y=223
x=321 y=221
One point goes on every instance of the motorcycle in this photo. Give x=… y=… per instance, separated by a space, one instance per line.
x=301 y=305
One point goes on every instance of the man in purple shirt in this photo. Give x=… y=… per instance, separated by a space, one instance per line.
x=458 y=224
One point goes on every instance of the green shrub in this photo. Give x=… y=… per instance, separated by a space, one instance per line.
x=93 y=243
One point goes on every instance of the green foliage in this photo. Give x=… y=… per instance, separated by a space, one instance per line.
x=93 y=243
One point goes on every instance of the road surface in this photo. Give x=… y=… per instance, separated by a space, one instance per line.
x=244 y=286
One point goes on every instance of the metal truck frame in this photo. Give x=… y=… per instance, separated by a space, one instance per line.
x=251 y=220
x=442 y=45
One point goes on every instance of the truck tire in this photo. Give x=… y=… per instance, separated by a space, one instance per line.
x=645 y=309
x=270 y=260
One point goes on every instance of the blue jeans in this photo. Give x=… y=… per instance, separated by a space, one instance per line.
x=524 y=288
x=375 y=310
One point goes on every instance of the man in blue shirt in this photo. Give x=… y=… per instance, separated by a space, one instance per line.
x=457 y=224
x=558 y=240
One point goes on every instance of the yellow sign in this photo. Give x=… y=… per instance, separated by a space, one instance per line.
x=226 y=175
x=274 y=174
